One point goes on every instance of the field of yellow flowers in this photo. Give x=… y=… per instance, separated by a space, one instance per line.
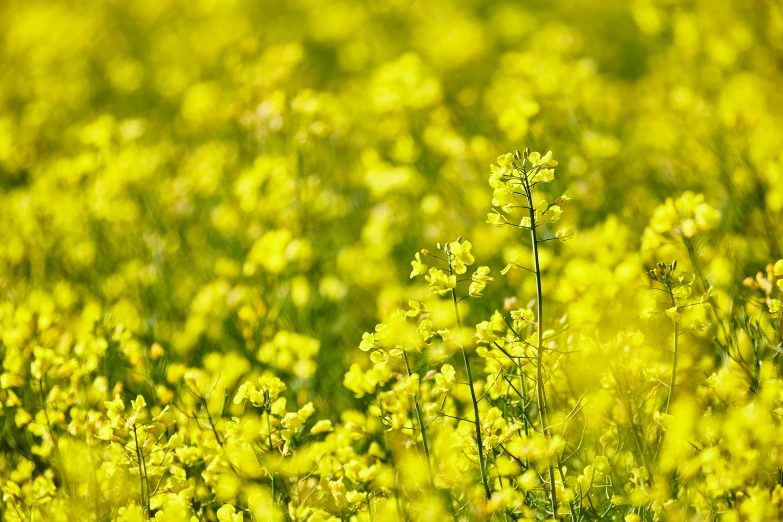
x=391 y=261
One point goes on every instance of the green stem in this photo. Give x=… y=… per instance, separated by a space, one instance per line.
x=705 y=286
x=672 y=382
x=625 y=401
x=145 y=500
x=420 y=419
x=212 y=423
x=540 y=392
x=474 y=400
x=390 y=449
x=780 y=326
x=55 y=444
x=269 y=429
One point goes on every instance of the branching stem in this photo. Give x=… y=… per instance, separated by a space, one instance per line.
x=143 y=484
x=420 y=419
x=543 y=416
x=469 y=373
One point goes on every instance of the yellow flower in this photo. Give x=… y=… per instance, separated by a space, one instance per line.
x=505 y=160
x=410 y=385
x=445 y=379
x=536 y=159
x=322 y=426
x=706 y=217
x=440 y=282
x=528 y=480
x=503 y=197
x=565 y=234
x=494 y=218
x=479 y=281
x=418 y=267
x=673 y=314
x=368 y=342
x=292 y=421
x=138 y=404
x=228 y=513
x=416 y=309
x=461 y=256
x=271 y=385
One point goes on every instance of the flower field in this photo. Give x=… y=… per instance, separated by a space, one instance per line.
x=393 y=261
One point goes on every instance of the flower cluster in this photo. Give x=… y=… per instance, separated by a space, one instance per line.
x=202 y=205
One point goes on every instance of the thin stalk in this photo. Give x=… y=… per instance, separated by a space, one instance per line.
x=674 y=359
x=369 y=506
x=269 y=429
x=543 y=415
x=144 y=486
x=625 y=402
x=55 y=444
x=673 y=380
x=420 y=420
x=390 y=449
x=212 y=423
x=523 y=385
x=146 y=477
x=780 y=327
x=705 y=286
x=477 y=422
x=562 y=477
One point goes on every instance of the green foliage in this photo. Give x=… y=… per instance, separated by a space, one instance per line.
x=204 y=204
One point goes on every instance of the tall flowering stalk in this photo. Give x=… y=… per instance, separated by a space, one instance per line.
x=685 y=220
x=514 y=178
x=458 y=253
x=678 y=287
x=457 y=258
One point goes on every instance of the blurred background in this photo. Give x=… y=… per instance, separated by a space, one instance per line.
x=245 y=182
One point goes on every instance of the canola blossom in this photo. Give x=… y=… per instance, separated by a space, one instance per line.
x=563 y=219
